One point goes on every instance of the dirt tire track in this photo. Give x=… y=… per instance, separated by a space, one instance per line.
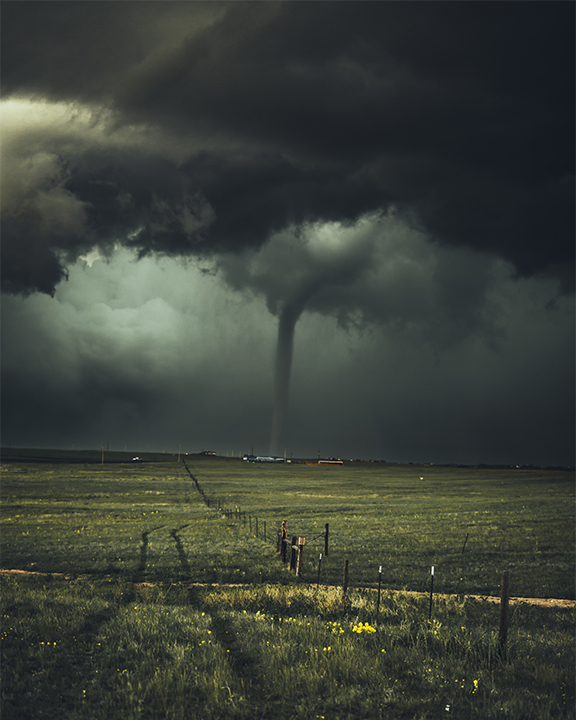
x=544 y=602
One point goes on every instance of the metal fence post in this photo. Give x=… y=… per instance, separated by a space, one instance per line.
x=503 y=634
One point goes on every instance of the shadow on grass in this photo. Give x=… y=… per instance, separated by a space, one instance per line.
x=181 y=554
x=144 y=554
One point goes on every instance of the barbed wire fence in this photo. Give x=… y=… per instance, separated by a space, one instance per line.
x=294 y=546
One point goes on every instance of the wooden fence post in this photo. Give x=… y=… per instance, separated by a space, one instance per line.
x=345 y=581
x=283 y=540
x=293 y=549
x=301 y=542
x=326 y=540
x=503 y=634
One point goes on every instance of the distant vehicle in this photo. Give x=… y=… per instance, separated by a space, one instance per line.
x=137 y=459
x=263 y=458
x=207 y=452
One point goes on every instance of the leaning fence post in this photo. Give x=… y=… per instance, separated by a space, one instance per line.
x=345 y=581
x=465 y=541
x=326 y=539
x=503 y=634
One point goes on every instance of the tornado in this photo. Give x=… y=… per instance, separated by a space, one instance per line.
x=289 y=315
x=283 y=365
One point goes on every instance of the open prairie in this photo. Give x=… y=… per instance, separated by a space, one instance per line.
x=122 y=619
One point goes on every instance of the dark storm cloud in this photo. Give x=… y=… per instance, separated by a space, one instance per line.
x=68 y=50
x=459 y=114
x=387 y=188
x=121 y=353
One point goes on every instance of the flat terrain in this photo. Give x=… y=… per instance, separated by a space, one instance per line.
x=171 y=607
x=148 y=521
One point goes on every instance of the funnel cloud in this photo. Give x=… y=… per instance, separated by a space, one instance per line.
x=282 y=367
x=284 y=351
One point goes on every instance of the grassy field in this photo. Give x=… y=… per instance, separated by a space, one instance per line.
x=133 y=633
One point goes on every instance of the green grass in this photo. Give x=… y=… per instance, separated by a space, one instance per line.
x=132 y=634
x=107 y=650
x=521 y=520
x=148 y=521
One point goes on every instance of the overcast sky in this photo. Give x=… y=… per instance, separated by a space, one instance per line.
x=361 y=214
